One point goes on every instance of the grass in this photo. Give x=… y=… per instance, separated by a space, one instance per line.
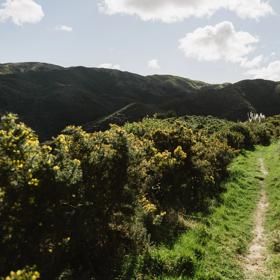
x=273 y=216
x=213 y=249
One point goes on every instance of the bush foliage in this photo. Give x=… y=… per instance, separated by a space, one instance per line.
x=86 y=201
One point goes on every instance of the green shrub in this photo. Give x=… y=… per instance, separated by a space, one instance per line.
x=85 y=199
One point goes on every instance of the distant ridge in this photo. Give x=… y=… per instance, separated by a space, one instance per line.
x=48 y=97
x=23 y=67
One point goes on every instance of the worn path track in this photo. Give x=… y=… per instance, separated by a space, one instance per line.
x=255 y=259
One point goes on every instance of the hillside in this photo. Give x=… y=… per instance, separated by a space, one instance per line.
x=48 y=97
x=16 y=68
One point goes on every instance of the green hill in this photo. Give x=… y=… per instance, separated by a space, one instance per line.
x=49 y=97
x=15 y=68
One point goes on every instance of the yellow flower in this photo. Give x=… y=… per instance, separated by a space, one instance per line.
x=56 y=168
x=61 y=138
x=163 y=213
x=47 y=148
x=148 y=206
x=35 y=276
x=179 y=152
x=77 y=162
x=33 y=182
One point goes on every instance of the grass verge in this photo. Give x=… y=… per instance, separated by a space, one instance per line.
x=211 y=250
x=272 y=182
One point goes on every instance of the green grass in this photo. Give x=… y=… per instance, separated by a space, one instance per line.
x=273 y=216
x=212 y=250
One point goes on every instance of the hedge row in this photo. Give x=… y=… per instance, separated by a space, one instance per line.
x=85 y=205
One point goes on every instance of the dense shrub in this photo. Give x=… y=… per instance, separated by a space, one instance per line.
x=273 y=125
x=67 y=204
x=192 y=162
x=86 y=201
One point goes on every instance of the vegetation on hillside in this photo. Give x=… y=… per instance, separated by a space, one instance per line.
x=48 y=97
x=83 y=200
x=24 y=67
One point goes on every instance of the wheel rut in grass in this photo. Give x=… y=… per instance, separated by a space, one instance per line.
x=255 y=259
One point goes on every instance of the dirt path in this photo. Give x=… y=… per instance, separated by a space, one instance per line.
x=254 y=261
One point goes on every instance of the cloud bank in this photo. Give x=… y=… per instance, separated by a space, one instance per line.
x=177 y=10
x=270 y=72
x=220 y=42
x=21 y=11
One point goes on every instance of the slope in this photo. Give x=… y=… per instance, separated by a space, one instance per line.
x=48 y=97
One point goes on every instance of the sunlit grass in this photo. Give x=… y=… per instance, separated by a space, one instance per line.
x=214 y=248
x=273 y=217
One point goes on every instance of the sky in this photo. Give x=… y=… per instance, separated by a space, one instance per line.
x=210 y=40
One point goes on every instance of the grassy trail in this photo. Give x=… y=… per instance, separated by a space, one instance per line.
x=254 y=261
x=233 y=224
x=240 y=239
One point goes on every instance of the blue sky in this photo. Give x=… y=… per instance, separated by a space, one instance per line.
x=209 y=40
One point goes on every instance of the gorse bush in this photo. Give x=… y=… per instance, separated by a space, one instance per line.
x=23 y=274
x=87 y=205
x=65 y=202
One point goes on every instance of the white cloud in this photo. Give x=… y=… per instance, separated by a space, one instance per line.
x=253 y=63
x=64 y=28
x=153 y=64
x=21 y=11
x=110 y=66
x=250 y=8
x=177 y=10
x=220 y=42
x=270 y=72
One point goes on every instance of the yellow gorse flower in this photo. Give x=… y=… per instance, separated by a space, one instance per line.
x=23 y=274
x=34 y=182
x=148 y=206
x=56 y=168
x=179 y=152
x=77 y=162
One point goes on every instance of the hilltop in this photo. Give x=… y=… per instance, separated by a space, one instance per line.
x=16 y=68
